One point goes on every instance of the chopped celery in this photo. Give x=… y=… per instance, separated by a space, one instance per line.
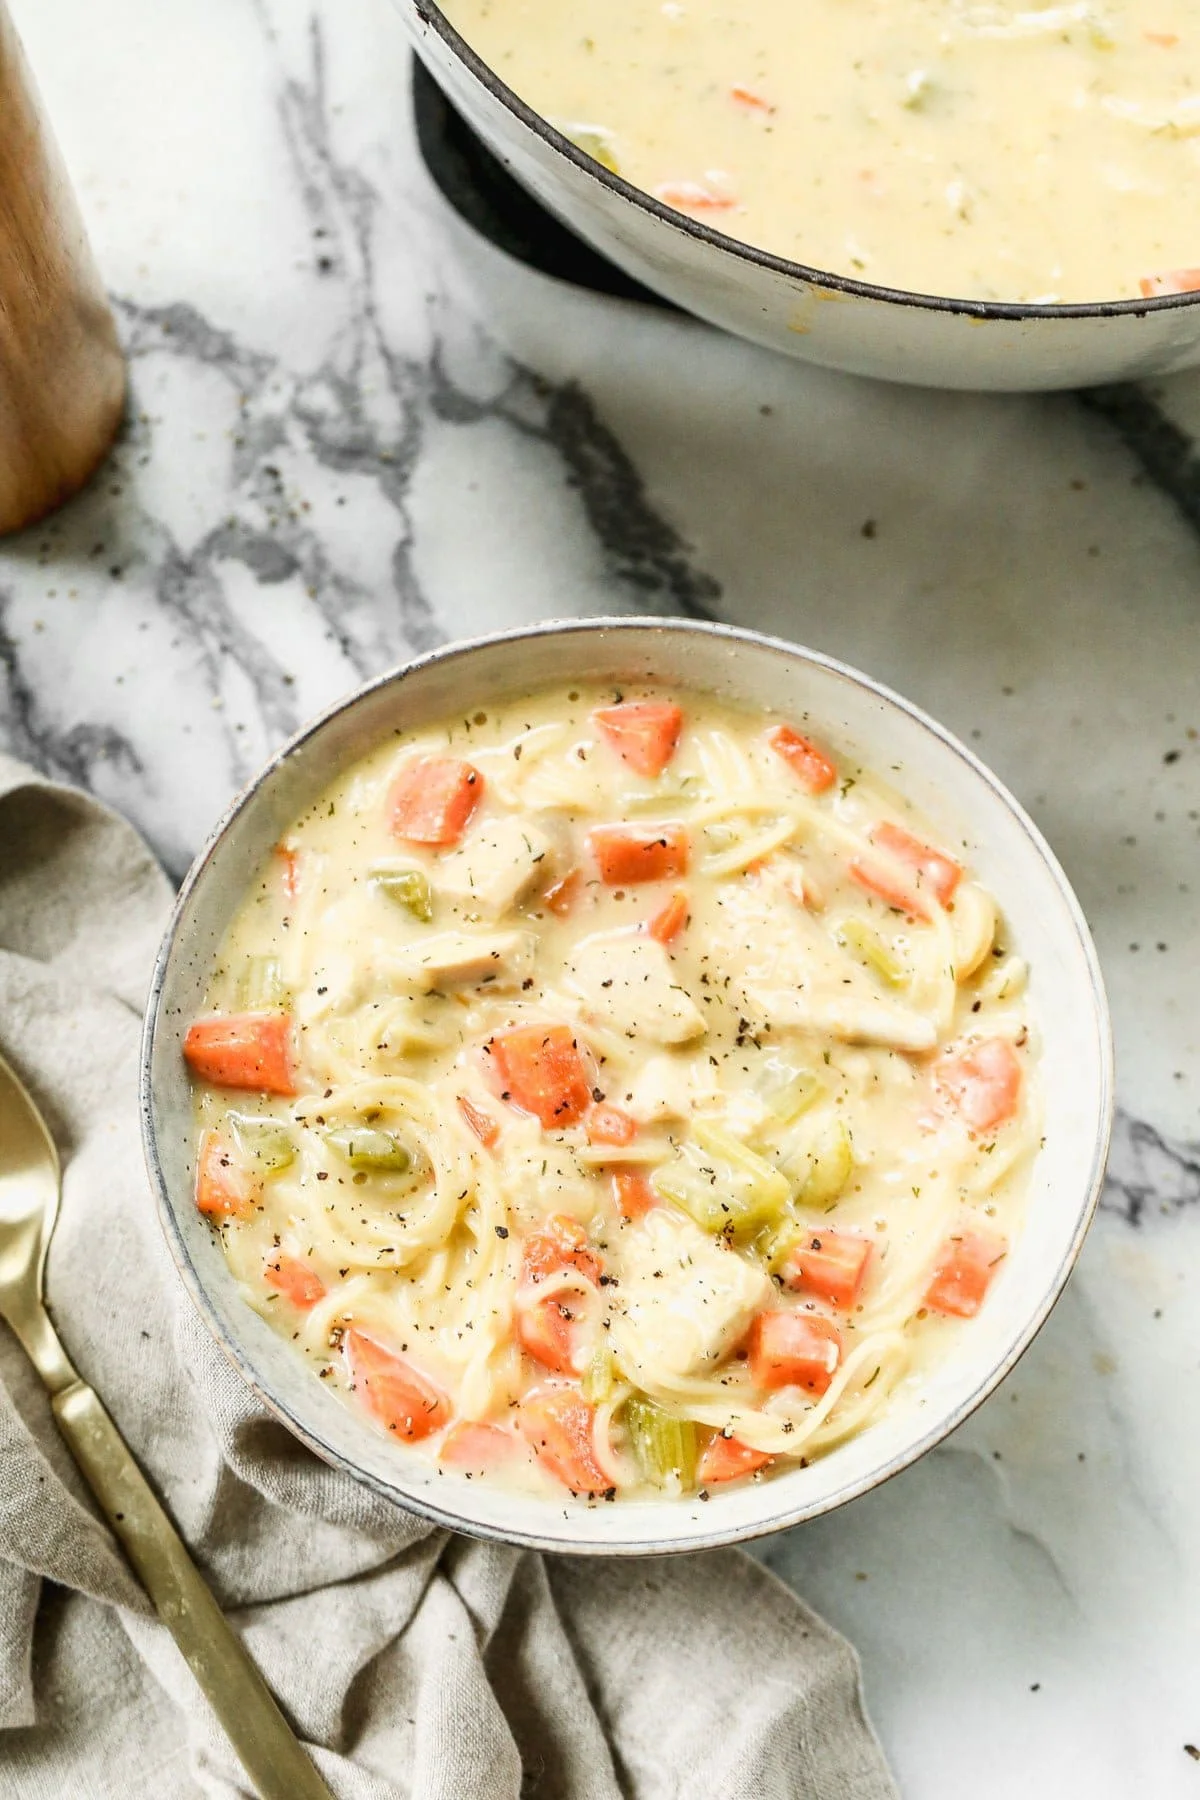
x=600 y=1377
x=369 y=1147
x=260 y=986
x=265 y=1141
x=787 y=1091
x=775 y=1245
x=830 y=1165
x=721 y=1183
x=665 y=1447
x=866 y=943
x=594 y=142
x=409 y=888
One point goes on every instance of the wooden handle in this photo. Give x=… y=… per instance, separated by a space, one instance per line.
x=269 y=1750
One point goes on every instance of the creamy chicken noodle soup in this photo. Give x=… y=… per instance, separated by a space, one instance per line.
x=608 y=1092
x=989 y=149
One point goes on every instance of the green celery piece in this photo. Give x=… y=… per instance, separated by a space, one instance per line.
x=263 y=1140
x=596 y=144
x=370 y=1147
x=775 y=1245
x=787 y=1092
x=832 y=1160
x=409 y=888
x=260 y=986
x=866 y=943
x=722 y=1184
x=600 y=1377
x=664 y=1446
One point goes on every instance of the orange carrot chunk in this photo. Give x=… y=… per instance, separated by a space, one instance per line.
x=475 y=1446
x=831 y=1264
x=963 y=1273
x=224 y=1189
x=728 y=1459
x=558 y=1423
x=1174 y=281
x=633 y=1193
x=399 y=1395
x=809 y=764
x=481 y=1123
x=932 y=868
x=543 y=1072
x=560 y=896
x=794 y=1349
x=243 y=1050
x=644 y=733
x=546 y=1331
x=432 y=800
x=982 y=1083
x=297 y=1281
x=670 y=920
x=561 y=1244
x=629 y=853
x=606 y=1124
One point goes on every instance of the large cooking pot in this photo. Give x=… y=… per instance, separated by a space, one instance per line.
x=829 y=319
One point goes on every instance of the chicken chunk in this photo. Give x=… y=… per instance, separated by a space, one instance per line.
x=683 y=1299
x=463 y=958
x=671 y=1087
x=496 y=867
x=626 y=980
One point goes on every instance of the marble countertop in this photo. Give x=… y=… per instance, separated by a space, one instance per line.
x=356 y=430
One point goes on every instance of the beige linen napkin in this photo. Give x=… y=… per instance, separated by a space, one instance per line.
x=417 y=1664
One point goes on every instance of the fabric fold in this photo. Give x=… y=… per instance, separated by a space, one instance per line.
x=416 y=1664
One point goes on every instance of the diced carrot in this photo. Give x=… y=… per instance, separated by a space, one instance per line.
x=933 y=868
x=629 y=853
x=243 y=1050
x=562 y=1243
x=476 y=1446
x=1174 y=281
x=297 y=1281
x=399 y=1395
x=982 y=1083
x=963 y=1273
x=1166 y=40
x=644 y=733
x=794 y=1349
x=670 y=920
x=693 y=196
x=480 y=1122
x=606 y=1124
x=289 y=870
x=809 y=764
x=558 y=1423
x=546 y=1331
x=543 y=1072
x=728 y=1459
x=560 y=895
x=831 y=1264
x=633 y=1193
x=432 y=800
x=224 y=1188
x=747 y=97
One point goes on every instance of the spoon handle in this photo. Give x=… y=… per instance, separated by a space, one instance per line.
x=270 y=1752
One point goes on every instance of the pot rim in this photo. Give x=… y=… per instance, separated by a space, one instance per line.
x=573 y=1541
x=1013 y=311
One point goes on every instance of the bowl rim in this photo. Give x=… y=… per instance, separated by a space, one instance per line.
x=563 y=1542
x=1012 y=310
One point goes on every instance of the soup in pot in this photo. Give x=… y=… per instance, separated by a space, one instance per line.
x=984 y=149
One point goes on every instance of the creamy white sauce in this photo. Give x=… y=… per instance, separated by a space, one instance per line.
x=982 y=150
x=786 y=1064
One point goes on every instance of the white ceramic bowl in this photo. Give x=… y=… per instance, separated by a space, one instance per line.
x=862 y=721
x=805 y=312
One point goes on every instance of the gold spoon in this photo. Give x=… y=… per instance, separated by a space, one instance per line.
x=29 y=1189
